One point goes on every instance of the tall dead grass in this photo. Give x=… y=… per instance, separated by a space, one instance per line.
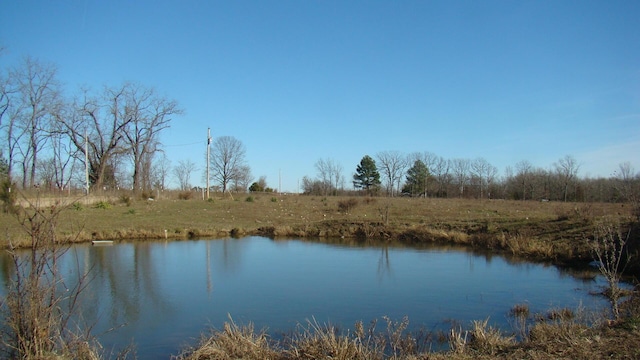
x=232 y=342
x=556 y=334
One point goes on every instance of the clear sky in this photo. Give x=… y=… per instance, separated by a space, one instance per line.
x=299 y=81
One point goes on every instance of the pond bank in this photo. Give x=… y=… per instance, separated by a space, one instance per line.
x=555 y=232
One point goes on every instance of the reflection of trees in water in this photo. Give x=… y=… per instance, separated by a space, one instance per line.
x=223 y=254
x=208 y=265
x=125 y=281
x=227 y=254
x=384 y=265
x=7 y=268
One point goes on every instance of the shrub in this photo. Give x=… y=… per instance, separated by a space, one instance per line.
x=36 y=324
x=102 y=205
x=347 y=205
x=274 y=199
x=249 y=199
x=125 y=199
x=186 y=195
x=8 y=197
x=369 y=200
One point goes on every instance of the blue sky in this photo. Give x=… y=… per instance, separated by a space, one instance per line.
x=299 y=81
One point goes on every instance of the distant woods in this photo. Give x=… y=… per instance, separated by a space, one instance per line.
x=391 y=173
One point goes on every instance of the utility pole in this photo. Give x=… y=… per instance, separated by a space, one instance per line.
x=208 y=153
x=86 y=163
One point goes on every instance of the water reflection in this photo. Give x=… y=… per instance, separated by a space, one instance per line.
x=384 y=265
x=164 y=294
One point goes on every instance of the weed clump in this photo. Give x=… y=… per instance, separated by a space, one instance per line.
x=102 y=205
x=232 y=342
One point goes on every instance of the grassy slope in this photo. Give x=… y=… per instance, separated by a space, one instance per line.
x=545 y=230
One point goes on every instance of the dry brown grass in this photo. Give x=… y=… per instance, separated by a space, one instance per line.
x=551 y=337
x=546 y=230
x=233 y=342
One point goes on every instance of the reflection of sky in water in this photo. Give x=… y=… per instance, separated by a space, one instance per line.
x=166 y=293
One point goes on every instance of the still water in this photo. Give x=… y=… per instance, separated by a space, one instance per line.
x=162 y=295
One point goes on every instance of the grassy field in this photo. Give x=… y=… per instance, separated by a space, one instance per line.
x=542 y=230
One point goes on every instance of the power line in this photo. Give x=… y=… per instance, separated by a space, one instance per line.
x=189 y=144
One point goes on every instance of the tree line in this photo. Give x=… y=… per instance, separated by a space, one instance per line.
x=109 y=139
x=426 y=174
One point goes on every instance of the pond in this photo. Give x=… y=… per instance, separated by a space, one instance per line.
x=162 y=295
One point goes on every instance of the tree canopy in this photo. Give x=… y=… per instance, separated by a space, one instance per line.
x=367 y=176
x=417 y=177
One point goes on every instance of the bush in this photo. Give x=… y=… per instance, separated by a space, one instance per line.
x=369 y=200
x=125 y=199
x=37 y=312
x=102 y=205
x=249 y=199
x=185 y=195
x=347 y=205
x=146 y=195
x=8 y=197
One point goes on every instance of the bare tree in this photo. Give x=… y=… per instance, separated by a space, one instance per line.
x=523 y=169
x=242 y=178
x=227 y=156
x=183 y=171
x=97 y=123
x=485 y=172
x=441 y=171
x=5 y=96
x=461 y=172
x=567 y=170
x=160 y=172
x=7 y=111
x=57 y=171
x=149 y=114
x=330 y=175
x=37 y=93
x=313 y=186
x=392 y=166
